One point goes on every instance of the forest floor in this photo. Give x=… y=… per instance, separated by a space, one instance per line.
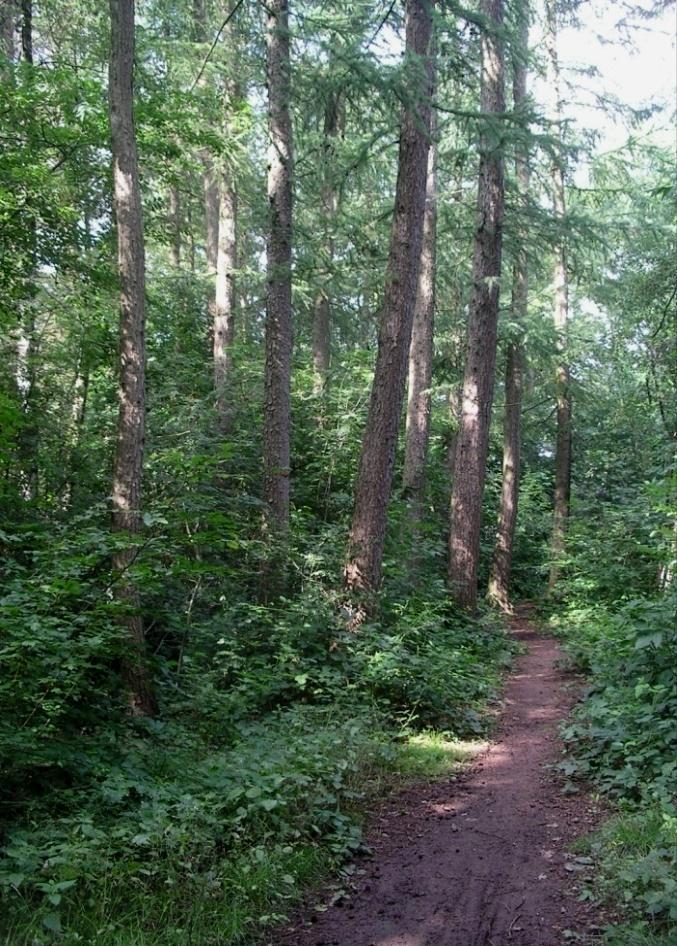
x=482 y=859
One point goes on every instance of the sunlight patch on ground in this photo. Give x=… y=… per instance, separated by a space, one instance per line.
x=436 y=754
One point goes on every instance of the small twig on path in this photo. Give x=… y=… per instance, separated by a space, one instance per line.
x=516 y=916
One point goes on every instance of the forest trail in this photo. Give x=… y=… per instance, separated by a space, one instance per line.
x=481 y=860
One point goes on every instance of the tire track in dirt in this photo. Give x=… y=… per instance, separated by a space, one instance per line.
x=480 y=860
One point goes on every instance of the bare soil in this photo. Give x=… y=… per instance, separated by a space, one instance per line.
x=482 y=859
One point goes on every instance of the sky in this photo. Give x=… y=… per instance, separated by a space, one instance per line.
x=640 y=72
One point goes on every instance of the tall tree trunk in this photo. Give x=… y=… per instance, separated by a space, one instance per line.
x=78 y=412
x=26 y=354
x=7 y=28
x=175 y=226
x=27 y=30
x=561 y=318
x=499 y=581
x=421 y=348
x=131 y=418
x=277 y=408
x=374 y=479
x=209 y=180
x=224 y=299
x=478 y=383
x=322 y=309
x=211 y=200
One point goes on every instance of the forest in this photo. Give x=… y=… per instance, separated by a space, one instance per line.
x=339 y=389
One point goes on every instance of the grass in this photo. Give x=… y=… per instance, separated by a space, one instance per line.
x=433 y=754
x=636 y=874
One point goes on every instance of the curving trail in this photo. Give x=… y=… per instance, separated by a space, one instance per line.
x=481 y=860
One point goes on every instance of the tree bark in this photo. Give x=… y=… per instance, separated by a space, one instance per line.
x=175 y=225
x=329 y=198
x=26 y=344
x=277 y=408
x=421 y=348
x=499 y=581
x=27 y=30
x=7 y=28
x=562 y=494
x=478 y=383
x=374 y=479
x=224 y=299
x=209 y=180
x=211 y=200
x=131 y=418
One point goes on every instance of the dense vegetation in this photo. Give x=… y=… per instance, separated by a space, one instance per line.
x=197 y=704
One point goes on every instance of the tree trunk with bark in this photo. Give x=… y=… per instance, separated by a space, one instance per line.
x=7 y=28
x=126 y=491
x=562 y=494
x=329 y=197
x=175 y=226
x=224 y=298
x=499 y=581
x=374 y=479
x=277 y=408
x=27 y=30
x=478 y=383
x=421 y=348
x=209 y=181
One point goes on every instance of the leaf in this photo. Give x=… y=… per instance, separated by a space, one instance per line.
x=52 y=922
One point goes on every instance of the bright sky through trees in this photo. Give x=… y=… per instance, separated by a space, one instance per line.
x=636 y=66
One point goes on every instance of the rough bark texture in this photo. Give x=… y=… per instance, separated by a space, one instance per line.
x=27 y=30
x=211 y=200
x=421 y=348
x=209 y=180
x=499 y=581
x=175 y=226
x=7 y=27
x=561 y=317
x=26 y=335
x=224 y=298
x=478 y=382
x=277 y=412
x=322 y=309
x=374 y=480
x=131 y=419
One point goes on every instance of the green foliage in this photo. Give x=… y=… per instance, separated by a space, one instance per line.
x=276 y=720
x=636 y=854
x=624 y=738
x=625 y=734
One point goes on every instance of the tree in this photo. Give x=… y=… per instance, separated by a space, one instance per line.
x=7 y=15
x=499 y=581
x=126 y=493
x=478 y=383
x=421 y=348
x=226 y=261
x=562 y=493
x=277 y=410
x=209 y=182
x=322 y=308
x=374 y=478
x=27 y=30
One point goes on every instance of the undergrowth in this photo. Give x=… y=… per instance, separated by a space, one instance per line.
x=277 y=730
x=624 y=739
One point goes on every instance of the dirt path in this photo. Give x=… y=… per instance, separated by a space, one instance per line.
x=482 y=860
